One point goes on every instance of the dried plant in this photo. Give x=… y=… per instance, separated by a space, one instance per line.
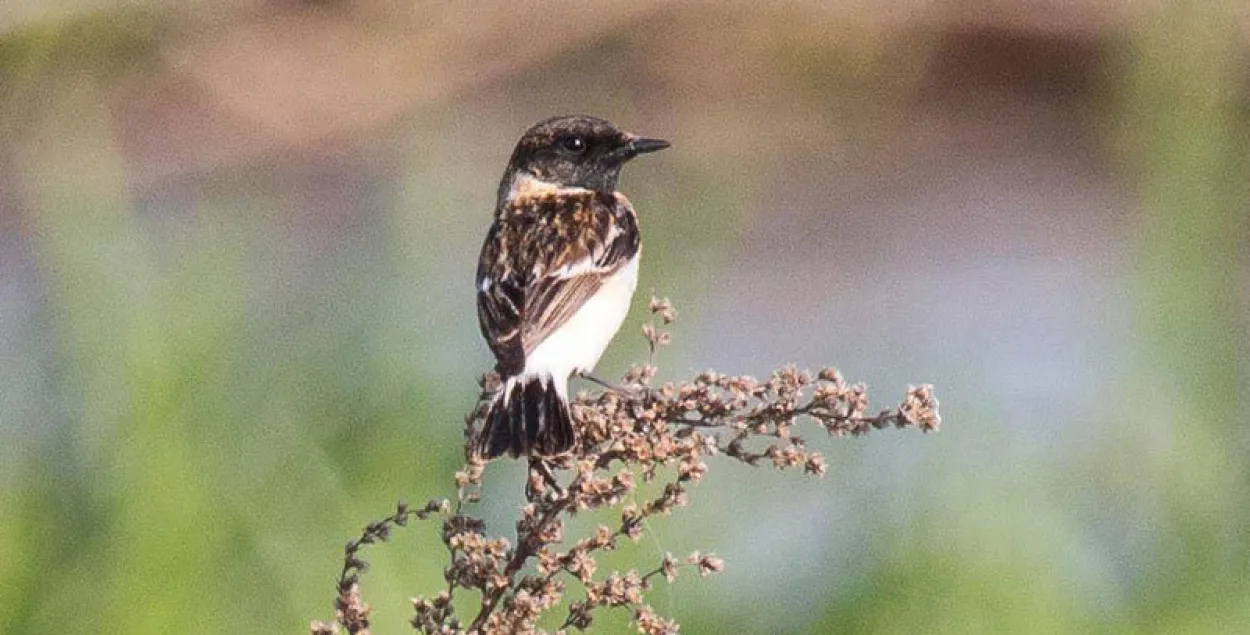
x=628 y=434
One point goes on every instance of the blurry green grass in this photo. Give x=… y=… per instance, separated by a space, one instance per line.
x=232 y=420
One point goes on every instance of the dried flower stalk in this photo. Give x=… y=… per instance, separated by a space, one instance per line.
x=627 y=436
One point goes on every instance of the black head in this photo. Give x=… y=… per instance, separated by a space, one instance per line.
x=576 y=151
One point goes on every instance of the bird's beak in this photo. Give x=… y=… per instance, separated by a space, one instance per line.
x=635 y=145
x=641 y=145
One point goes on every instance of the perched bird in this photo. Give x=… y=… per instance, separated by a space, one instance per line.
x=555 y=277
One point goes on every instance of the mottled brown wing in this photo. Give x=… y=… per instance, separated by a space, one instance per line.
x=541 y=262
x=554 y=298
x=593 y=247
x=500 y=298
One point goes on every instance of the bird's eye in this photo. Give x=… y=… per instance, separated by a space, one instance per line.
x=572 y=144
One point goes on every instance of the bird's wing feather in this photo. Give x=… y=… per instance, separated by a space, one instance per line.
x=542 y=261
x=555 y=297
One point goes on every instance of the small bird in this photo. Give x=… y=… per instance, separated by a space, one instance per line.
x=555 y=277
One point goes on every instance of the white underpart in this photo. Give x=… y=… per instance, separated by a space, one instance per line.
x=577 y=345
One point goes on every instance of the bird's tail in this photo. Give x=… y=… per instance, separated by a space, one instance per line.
x=530 y=415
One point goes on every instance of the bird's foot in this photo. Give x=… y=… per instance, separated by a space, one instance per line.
x=542 y=481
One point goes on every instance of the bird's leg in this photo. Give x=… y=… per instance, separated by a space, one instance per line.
x=540 y=468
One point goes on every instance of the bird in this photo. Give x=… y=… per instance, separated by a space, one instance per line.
x=555 y=277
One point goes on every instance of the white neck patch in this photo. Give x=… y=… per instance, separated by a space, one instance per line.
x=526 y=185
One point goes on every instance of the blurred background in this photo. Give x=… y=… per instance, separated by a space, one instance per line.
x=237 y=241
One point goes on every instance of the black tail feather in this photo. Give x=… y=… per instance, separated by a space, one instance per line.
x=528 y=416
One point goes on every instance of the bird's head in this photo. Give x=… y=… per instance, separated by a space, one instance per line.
x=575 y=151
